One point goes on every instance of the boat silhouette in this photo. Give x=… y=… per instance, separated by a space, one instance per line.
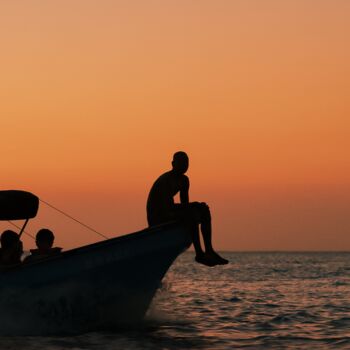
x=93 y=287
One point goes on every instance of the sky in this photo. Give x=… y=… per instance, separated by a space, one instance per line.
x=96 y=96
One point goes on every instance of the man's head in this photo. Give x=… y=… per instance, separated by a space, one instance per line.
x=9 y=239
x=44 y=239
x=180 y=162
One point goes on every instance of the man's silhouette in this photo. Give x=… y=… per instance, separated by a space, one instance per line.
x=162 y=208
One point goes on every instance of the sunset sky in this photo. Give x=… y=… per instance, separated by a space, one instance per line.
x=96 y=96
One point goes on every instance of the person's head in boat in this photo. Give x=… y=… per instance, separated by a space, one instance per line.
x=180 y=162
x=11 y=247
x=9 y=239
x=44 y=239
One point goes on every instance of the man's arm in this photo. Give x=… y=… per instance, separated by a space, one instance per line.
x=185 y=185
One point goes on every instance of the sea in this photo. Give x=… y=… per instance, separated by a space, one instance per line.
x=268 y=300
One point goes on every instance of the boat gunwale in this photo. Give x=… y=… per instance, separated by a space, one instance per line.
x=75 y=251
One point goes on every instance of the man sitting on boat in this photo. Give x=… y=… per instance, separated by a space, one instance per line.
x=162 y=208
x=44 y=241
x=11 y=249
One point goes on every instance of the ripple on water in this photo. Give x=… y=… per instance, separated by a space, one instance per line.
x=343 y=322
x=234 y=300
x=340 y=283
x=261 y=301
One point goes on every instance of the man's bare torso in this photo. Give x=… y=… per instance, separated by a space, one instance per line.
x=160 y=203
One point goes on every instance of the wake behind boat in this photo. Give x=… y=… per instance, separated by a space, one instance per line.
x=93 y=287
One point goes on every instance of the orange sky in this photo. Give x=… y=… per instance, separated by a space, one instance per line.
x=95 y=96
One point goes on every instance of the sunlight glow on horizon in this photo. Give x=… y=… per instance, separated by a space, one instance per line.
x=97 y=96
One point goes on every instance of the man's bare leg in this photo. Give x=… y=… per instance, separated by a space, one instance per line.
x=200 y=255
x=196 y=240
x=209 y=250
x=207 y=236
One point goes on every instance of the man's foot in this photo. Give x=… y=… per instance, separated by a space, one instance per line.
x=215 y=257
x=205 y=260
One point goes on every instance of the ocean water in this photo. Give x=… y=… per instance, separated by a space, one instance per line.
x=258 y=301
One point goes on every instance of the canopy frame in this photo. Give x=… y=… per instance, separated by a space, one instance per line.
x=23 y=227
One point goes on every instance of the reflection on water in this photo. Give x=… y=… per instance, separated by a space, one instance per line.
x=260 y=300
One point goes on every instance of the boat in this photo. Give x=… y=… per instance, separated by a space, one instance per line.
x=93 y=287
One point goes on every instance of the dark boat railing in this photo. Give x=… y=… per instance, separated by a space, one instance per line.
x=99 y=245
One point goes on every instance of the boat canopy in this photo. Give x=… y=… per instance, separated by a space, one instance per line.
x=18 y=205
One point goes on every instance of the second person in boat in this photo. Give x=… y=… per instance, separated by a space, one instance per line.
x=44 y=242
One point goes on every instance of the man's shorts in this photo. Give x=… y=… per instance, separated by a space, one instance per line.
x=194 y=212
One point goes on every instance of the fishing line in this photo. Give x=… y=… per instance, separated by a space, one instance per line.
x=74 y=219
x=24 y=231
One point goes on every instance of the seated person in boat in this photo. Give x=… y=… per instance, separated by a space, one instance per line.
x=162 y=208
x=11 y=249
x=44 y=241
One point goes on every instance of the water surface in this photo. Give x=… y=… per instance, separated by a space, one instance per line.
x=258 y=301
